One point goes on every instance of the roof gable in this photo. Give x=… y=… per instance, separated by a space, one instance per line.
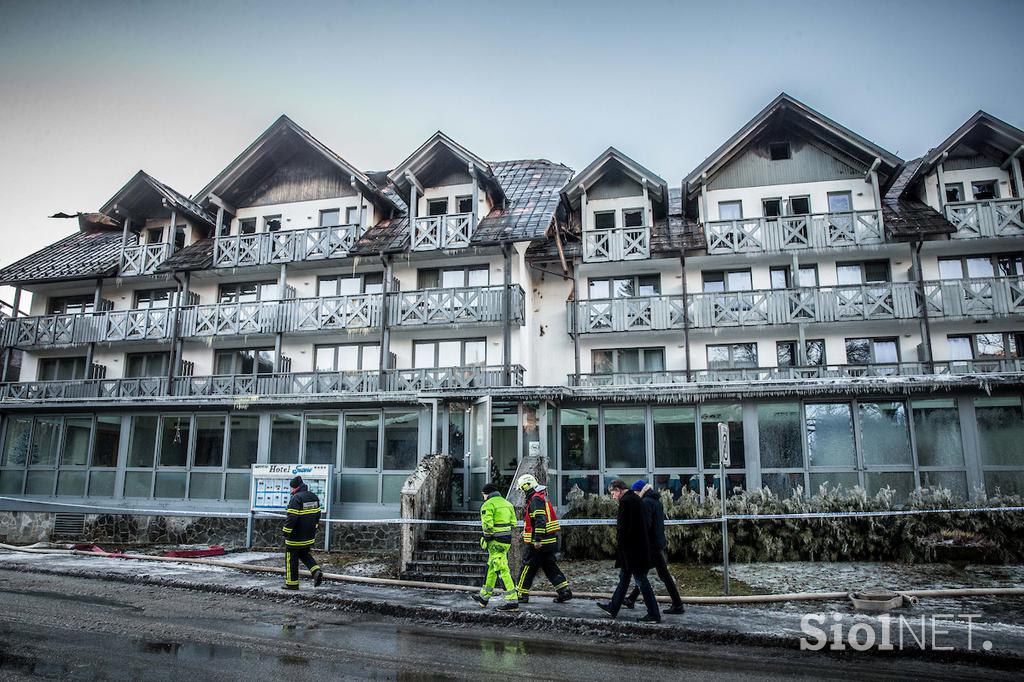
x=145 y=197
x=440 y=161
x=611 y=161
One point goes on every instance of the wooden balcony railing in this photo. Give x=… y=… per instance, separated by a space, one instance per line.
x=992 y=218
x=280 y=383
x=53 y=331
x=284 y=246
x=143 y=259
x=452 y=231
x=790 y=233
x=616 y=244
x=233 y=319
x=454 y=306
x=981 y=297
x=434 y=378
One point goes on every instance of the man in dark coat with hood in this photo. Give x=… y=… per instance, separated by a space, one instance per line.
x=656 y=530
x=634 y=552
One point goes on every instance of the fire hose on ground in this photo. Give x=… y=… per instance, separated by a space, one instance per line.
x=911 y=595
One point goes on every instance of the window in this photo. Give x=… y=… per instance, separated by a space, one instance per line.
x=730 y=210
x=468 y=276
x=154 y=298
x=814 y=350
x=840 y=202
x=362 y=440
x=625 y=437
x=868 y=272
x=138 y=365
x=209 y=449
x=989 y=265
x=1000 y=434
x=830 y=441
x=464 y=204
x=799 y=205
x=350 y=285
x=579 y=438
x=437 y=207
x=632 y=217
x=954 y=191
x=731 y=355
x=330 y=217
x=179 y=238
x=321 y=439
x=271 y=223
x=70 y=305
x=779 y=151
x=244 y=361
x=734 y=280
x=352 y=216
x=245 y=436
x=988 y=346
x=400 y=440
x=248 y=292
x=106 y=441
x=247 y=226
x=872 y=351
x=984 y=190
x=347 y=358
x=604 y=220
x=285 y=431
x=615 y=360
x=782 y=277
x=771 y=208
x=154 y=235
x=62 y=369
x=464 y=353
x=625 y=287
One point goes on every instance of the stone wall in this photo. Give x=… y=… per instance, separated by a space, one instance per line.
x=25 y=528
x=426 y=493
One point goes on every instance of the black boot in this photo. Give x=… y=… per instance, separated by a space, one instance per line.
x=629 y=603
x=563 y=596
x=318 y=577
x=482 y=601
x=675 y=610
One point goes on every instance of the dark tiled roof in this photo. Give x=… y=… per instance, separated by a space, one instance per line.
x=182 y=201
x=906 y=217
x=197 y=256
x=82 y=255
x=532 y=188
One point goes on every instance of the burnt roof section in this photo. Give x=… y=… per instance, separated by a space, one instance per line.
x=277 y=143
x=616 y=159
x=905 y=217
x=982 y=133
x=195 y=256
x=82 y=255
x=531 y=188
x=810 y=122
x=433 y=159
x=145 y=197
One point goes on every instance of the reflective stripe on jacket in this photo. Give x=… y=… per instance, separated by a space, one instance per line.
x=303 y=518
x=497 y=518
x=540 y=523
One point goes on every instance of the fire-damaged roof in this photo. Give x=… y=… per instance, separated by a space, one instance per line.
x=82 y=255
x=146 y=197
x=907 y=218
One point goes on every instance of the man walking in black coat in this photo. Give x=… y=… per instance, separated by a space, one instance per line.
x=634 y=552
x=659 y=546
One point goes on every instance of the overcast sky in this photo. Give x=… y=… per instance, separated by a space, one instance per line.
x=90 y=92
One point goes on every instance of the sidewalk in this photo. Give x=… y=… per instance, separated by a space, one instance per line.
x=1001 y=623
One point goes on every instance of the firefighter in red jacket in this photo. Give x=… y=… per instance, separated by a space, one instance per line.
x=540 y=533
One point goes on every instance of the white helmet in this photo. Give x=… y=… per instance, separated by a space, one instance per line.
x=526 y=482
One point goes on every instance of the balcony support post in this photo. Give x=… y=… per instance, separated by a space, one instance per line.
x=385 y=325
x=801 y=345
x=583 y=212
x=476 y=197
x=506 y=317
x=704 y=197
x=172 y=238
x=127 y=224
x=925 y=323
x=648 y=213
x=7 y=349
x=1018 y=177
x=686 y=318
x=412 y=208
x=282 y=287
x=874 y=190
x=940 y=176
x=90 y=349
x=575 y=321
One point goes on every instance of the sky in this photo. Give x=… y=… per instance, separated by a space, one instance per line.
x=90 y=92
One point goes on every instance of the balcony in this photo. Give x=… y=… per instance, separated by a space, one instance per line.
x=284 y=246
x=454 y=306
x=438 y=378
x=55 y=331
x=640 y=313
x=616 y=244
x=143 y=259
x=982 y=297
x=629 y=379
x=992 y=218
x=84 y=389
x=280 y=383
x=452 y=231
x=793 y=233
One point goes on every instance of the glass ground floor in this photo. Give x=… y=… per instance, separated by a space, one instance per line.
x=970 y=443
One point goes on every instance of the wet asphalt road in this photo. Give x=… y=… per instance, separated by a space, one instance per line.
x=73 y=628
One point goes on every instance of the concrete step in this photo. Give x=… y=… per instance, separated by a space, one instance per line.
x=450 y=557
x=428 y=545
x=452 y=533
x=452 y=578
x=475 y=568
x=460 y=516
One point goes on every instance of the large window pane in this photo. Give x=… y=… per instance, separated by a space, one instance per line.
x=204 y=486
x=237 y=487
x=321 y=438
x=174 y=441
x=579 y=439
x=1000 y=430
x=359 y=488
x=16 y=442
x=40 y=482
x=101 y=483
x=284 y=438
x=677 y=484
x=106 y=441
x=77 y=432
x=1004 y=482
x=138 y=483
x=783 y=485
x=142 y=443
x=590 y=484
x=780 y=436
x=400 y=440
x=884 y=433
x=829 y=436
x=832 y=479
x=391 y=488
x=732 y=415
x=209 y=442
x=901 y=482
x=11 y=481
x=45 y=440
x=625 y=438
x=71 y=483
x=245 y=437
x=937 y=429
x=953 y=481
x=675 y=437
x=362 y=441
x=457 y=434
x=170 y=484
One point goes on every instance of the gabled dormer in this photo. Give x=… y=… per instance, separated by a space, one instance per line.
x=160 y=219
x=615 y=201
x=288 y=197
x=791 y=178
x=974 y=178
x=448 y=189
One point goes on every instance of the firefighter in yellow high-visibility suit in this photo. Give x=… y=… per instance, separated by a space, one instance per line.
x=497 y=519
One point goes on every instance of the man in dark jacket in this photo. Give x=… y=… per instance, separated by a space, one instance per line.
x=655 y=516
x=634 y=552
x=300 y=534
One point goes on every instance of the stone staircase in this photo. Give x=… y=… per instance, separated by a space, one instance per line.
x=449 y=554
